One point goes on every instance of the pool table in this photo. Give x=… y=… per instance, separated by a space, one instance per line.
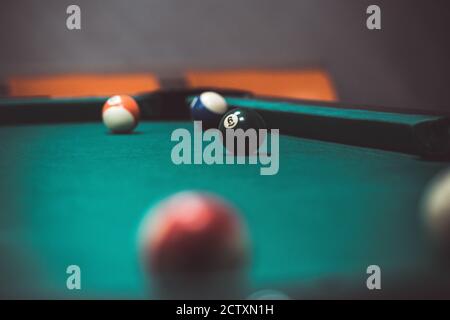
x=346 y=196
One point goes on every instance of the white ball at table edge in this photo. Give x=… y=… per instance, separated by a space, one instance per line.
x=214 y=102
x=436 y=207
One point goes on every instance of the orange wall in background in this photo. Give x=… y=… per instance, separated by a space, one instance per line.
x=311 y=84
x=81 y=85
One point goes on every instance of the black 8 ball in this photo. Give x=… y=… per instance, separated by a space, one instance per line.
x=242 y=119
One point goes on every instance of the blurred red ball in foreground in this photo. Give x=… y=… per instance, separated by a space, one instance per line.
x=192 y=233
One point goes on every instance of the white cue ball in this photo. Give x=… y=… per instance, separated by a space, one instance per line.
x=436 y=209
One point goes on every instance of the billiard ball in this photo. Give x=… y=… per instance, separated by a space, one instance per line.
x=208 y=107
x=244 y=119
x=192 y=232
x=436 y=209
x=190 y=238
x=121 y=114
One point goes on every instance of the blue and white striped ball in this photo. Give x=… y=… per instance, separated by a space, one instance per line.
x=209 y=108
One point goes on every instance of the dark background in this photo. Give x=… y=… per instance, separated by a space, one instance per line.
x=406 y=64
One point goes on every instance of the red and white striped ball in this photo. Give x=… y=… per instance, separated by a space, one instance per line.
x=121 y=114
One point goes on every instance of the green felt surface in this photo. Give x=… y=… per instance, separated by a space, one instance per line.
x=74 y=194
